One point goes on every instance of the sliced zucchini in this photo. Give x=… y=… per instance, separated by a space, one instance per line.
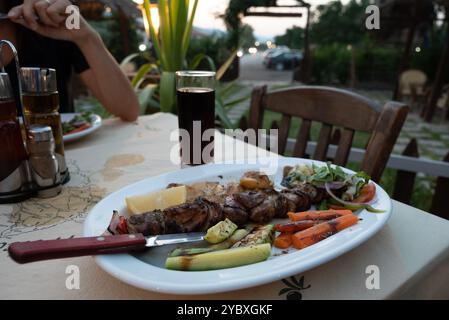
x=260 y=234
x=221 y=259
x=220 y=232
x=238 y=235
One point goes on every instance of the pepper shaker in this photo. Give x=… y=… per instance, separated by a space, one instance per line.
x=44 y=165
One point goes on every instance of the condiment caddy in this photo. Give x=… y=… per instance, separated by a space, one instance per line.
x=32 y=161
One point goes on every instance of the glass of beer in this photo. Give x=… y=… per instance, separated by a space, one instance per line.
x=196 y=116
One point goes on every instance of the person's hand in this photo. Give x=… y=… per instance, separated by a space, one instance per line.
x=49 y=12
x=48 y=17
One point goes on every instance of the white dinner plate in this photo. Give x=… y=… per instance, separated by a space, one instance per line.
x=95 y=121
x=145 y=270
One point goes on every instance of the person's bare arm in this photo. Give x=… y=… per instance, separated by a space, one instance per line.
x=105 y=79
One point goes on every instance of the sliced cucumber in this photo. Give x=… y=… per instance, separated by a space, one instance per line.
x=221 y=259
x=221 y=231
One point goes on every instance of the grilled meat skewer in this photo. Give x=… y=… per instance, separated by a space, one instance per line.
x=201 y=214
x=212 y=203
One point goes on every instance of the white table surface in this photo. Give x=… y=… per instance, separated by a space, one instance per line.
x=411 y=251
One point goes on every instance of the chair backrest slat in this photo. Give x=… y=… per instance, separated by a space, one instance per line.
x=383 y=138
x=284 y=128
x=302 y=138
x=323 y=142
x=344 y=147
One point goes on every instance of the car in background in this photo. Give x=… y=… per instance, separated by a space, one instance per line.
x=273 y=51
x=283 y=60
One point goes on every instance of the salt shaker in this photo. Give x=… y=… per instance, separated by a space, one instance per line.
x=43 y=161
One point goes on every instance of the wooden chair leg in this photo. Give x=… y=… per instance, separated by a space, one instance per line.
x=405 y=180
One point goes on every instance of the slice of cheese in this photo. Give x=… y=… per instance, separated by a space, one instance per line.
x=156 y=200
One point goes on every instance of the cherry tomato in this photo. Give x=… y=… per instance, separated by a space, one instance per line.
x=366 y=194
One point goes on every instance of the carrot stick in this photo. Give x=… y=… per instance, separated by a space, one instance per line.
x=322 y=231
x=318 y=214
x=296 y=226
x=283 y=241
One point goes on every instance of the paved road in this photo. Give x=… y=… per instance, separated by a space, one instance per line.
x=251 y=69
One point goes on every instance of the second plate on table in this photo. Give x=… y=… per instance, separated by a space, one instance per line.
x=95 y=122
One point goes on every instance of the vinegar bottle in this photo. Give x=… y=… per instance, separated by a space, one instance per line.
x=13 y=156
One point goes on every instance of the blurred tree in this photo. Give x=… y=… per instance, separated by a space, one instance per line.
x=111 y=33
x=430 y=44
x=233 y=14
x=293 y=38
x=247 y=38
x=213 y=46
x=338 y=23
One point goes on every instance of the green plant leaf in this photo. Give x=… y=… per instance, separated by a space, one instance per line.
x=141 y=73
x=129 y=58
x=179 y=15
x=167 y=91
x=230 y=104
x=153 y=34
x=222 y=114
x=226 y=65
x=188 y=29
x=144 y=95
x=226 y=88
x=199 y=58
x=165 y=34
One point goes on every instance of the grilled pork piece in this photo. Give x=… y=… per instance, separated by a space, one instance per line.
x=201 y=214
x=250 y=199
x=315 y=194
x=266 y=210
x=235 y=211
x=198 y=215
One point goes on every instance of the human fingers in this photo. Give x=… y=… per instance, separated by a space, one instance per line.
x=41 y=9
x=16 y=12
x=29 y=14
x=57 y=10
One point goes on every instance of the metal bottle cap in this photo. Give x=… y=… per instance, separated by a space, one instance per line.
x=40 y=133
x=37 y=80
x=5 y=87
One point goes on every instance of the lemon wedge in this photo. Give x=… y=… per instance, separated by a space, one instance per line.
x=156 y=200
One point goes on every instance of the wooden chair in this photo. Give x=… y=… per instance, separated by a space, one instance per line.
x=332 y=107
x=412 y=87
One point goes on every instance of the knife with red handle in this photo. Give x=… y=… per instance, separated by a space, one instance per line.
x=29 y=251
